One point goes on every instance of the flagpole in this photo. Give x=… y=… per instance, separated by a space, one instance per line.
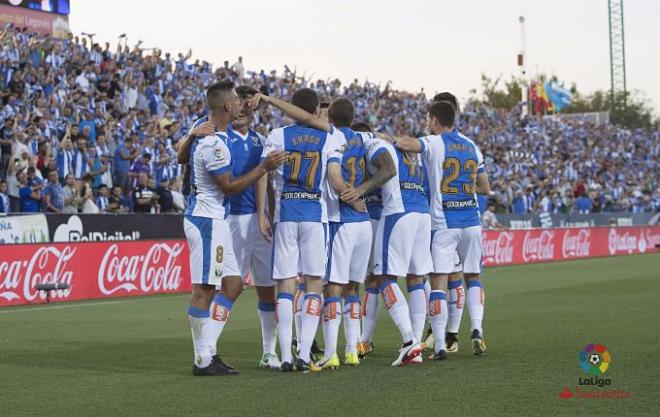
x=522 y=57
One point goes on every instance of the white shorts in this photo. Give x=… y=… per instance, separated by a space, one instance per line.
x=211 y=251
x=348 y=257
x=253 y=252
x=402 y=245
x=465 y=242
x=458 y=266
x=374 y=228
x=299 y=247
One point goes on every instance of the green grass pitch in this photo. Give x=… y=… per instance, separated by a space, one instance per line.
x=133 y=356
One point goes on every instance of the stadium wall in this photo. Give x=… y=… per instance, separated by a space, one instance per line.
x=119 y=268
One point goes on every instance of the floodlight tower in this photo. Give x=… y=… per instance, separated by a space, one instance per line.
x=617 y=51
x=522 y=58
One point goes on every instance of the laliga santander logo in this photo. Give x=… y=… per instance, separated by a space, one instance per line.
x=154 y=271
x=576 y=246
x=625 y=242
x=500 y=250
x=595 y=359
x=539 y=248
x=47 y=265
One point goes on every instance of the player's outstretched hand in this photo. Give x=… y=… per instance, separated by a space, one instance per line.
x=256 y=99
x=265 y=229
x=359 y=205
x=205 y=129
x=351 y=195
x=275 y=159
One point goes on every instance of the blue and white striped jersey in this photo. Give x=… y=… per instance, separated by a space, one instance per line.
x=453 y=163
x=300 y=184
x=354 y=172
x=246 y=154
x=209 y=157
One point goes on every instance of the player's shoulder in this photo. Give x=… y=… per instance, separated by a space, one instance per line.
x=464 y=138
x=201 y=120
x=373 y=144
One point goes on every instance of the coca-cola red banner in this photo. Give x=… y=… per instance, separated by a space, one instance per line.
x=125 y=268
x=93 y=270
x=511 y=247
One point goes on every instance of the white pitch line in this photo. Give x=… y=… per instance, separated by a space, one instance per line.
x=62 y=306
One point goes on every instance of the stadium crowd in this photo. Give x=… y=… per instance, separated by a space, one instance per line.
x=88 y=128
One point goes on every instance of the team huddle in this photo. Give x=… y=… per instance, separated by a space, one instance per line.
x=318 y=208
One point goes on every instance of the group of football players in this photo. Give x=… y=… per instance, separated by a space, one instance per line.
x=318 y=208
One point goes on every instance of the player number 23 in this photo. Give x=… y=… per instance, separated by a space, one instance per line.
x=454 y=166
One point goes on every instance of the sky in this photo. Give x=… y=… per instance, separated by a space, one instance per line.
x=437 y=45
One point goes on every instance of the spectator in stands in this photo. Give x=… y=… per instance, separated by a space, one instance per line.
x=71 y=200
x=95 y=168
x=116 y=202
x=4 y=198
x=519 y=203
x=583 y=204
x=102 y=200
x=13 y=184
x=165 y=197
x=54 y=194
x=488 y=218
x=125 y=154
x=87 y=205
x=6 y=140
x=141 y=166
x=30 y=194
x=144 y=196
x=177 y=197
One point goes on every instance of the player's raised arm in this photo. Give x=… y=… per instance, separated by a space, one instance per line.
x=231 y=186
x=408 y=144
x=293 y=111
x=183 y=149
x=385 y=170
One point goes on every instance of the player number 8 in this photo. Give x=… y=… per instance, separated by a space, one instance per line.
x=219 y=254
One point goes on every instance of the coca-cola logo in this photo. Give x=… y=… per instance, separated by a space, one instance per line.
x=498 y=251
x=48 y=264
x=157 y=270
x=576 y=245
x=538 y=248
x=622 y=242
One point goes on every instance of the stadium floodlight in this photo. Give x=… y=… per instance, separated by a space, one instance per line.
x=51 y=286
x=617 y=51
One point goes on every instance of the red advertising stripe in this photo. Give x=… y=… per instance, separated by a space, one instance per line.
x=93 y=270
x=511 y=247
x=127 y=268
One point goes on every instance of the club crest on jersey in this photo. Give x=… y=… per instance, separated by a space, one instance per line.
x=220 y=155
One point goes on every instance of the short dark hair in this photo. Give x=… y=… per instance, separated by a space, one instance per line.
x=215 y=94
x=448 y=97
x=443 y=112
x=306 y=99
x=341 y=112
x=361 y=127
x=102 y=186
x=245 y=91
x=324 y=105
